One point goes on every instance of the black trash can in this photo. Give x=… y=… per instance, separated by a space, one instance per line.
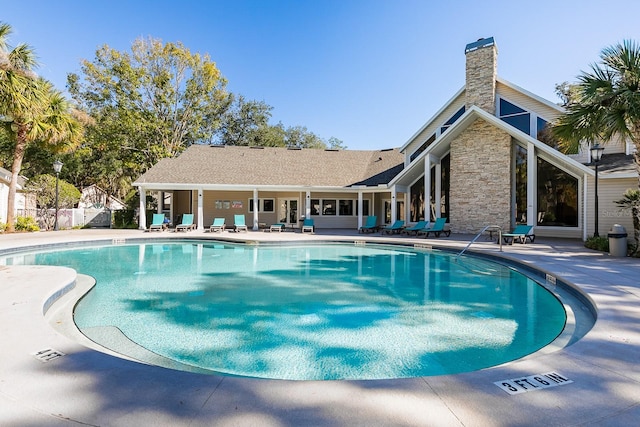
x=617 y=241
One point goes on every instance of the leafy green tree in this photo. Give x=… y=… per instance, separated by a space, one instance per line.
x=336 y=144
x=567 y=92
x=31 y=111
x=44 y=189
x=149 y=103
x=243 y=123
x=301 y=137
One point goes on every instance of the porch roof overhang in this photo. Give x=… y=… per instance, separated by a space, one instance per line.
x=168 y=187
x=441 y=146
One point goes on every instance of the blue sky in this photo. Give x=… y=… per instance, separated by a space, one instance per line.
x=369 y=72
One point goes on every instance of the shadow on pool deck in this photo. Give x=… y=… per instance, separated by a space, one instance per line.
x=89 y=387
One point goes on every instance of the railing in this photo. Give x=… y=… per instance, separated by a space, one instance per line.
x=494 y=227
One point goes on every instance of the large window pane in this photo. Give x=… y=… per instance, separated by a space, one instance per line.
x=521 y=122
x=268 y=205
x=452 y=120
x=557 y=196
x=346 y=207
x=417 y=201
x=423 y=147
x=328 y=207
x=507 y=108
x=521 y=185
x=315 y=206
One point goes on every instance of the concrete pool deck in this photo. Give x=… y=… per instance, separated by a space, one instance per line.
x=598 y=382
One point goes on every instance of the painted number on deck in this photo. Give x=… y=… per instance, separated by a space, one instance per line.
x=532 y=382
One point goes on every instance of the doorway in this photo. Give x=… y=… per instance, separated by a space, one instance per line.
x=288 y=212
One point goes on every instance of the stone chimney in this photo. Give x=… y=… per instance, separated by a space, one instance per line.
x=481 y=72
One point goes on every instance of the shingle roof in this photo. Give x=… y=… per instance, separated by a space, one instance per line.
x=617 y=163
x=277 y=166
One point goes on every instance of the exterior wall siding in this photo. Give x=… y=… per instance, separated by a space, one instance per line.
x=609 y=190
x=480 y=179
x=437 y=121
x=524 y=101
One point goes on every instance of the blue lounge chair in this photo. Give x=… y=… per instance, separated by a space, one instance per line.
x=239 y=224
x=218 y=225
x=186 y=224
x=394 y=228
x=157 y=223
x=307 y=225
x=521 y=233
x=279 y=227
x=371 y=225
x=419 y=226
x=437 y=229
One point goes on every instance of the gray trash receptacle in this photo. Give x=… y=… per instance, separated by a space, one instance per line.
x=617 y=241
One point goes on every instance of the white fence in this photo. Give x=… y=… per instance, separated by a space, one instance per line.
x=70 y=218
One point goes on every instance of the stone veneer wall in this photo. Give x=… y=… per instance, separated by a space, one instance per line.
x=481 y=72
x=480 y=192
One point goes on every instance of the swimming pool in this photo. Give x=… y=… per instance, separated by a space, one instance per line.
x=330 y=311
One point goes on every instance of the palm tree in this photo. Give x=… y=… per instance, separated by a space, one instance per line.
x=31 y=110
x=605 y=102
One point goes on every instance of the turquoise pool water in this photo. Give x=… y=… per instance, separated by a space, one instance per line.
x=329 y=311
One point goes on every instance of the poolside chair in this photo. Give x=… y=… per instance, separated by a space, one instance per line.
x=218 y=225
x=239 y=224
x=521 y=232
x=157 y=223
x=436 y=229
x=370 y=226
x=394 y=228
x=186 y=224
x=419 y=226
x=307 y=225
x=277 y=227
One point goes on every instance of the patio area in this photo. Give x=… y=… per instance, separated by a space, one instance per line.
x=596 y=380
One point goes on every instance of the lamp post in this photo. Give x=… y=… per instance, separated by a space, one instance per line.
x=57 y=167
x=596 y=155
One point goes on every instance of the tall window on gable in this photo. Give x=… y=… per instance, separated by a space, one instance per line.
x=521 y=184
x=423 y=147
x=452 y=120
x=544 y=134
x=515 y=116
x=557 y=196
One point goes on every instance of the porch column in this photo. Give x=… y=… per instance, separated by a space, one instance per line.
x=307 y=207
x=359 y=209
x=142 y=214
x=427 y=188
x=200 y=209
x=160 y=201
x=438 y=198
x=394 y=214
x=255 y=209
x=532 y=179
x=407 y=205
